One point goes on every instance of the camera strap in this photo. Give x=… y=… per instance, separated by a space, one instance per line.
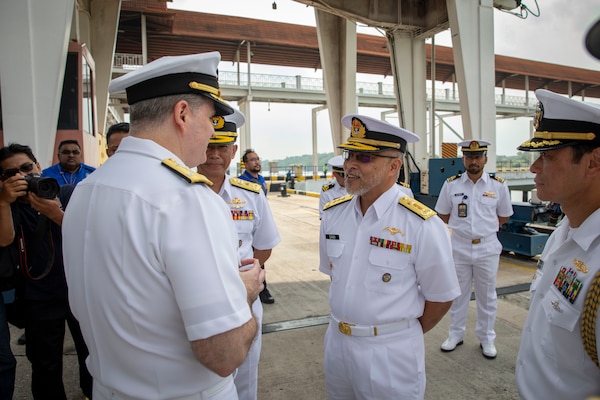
x=42 y=227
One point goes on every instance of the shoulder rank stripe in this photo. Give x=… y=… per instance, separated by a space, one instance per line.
x=406 y=185
x=328 y=186
x=246 y=185
x=186 y=173
x=496 y=177
x=417 y=207
x=338 y=201
x=453 y=177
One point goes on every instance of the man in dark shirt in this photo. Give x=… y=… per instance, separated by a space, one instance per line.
x=34 y=225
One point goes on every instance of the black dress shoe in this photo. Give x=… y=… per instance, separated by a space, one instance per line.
x=265 y=297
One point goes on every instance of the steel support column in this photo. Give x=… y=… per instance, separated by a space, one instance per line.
x=407 y=56
x=34 y=37
x=337 y=45
x=472 y=27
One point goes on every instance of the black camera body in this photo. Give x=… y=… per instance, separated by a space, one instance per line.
x=46 y=188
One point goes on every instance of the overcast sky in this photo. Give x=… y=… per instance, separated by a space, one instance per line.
x=556 y=36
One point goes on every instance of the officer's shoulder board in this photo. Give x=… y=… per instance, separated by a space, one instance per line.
x=417 y=207
x=185 y=173
x=328 y=186
x=453 y=177
x=338 y=201
x=496 y=177
x=406 y=185
x=246 y=185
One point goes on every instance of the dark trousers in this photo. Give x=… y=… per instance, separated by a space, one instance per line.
x=8 y=363
x=45 y=332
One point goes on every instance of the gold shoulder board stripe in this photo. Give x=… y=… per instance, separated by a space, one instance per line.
x=588 y=319
x=250 y=186
x=453 y=178
x=186 y=173
x=406 y=185
x=417 y=207
x=496 y=177
x=338 y=201
x=327 y=186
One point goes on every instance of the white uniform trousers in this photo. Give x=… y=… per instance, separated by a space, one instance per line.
x=224 y=390
x=246 y=377
x=483 y=272
x=385 y=367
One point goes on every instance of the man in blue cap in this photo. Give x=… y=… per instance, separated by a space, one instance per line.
x=151 y=253
x=392 y=277
x=558 y=356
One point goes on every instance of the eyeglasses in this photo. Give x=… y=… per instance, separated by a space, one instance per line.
x=67 y=152
x=362 y=157
x=25 y=168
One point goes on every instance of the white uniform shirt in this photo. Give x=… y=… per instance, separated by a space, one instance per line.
x=552 y=362
x=251 y=217
x=152 y=264
x=330 y=191
x=373 y=285
x=485 y=200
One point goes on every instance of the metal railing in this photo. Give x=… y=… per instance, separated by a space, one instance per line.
x=236 y=79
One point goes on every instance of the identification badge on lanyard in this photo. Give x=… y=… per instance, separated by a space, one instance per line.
x=462 y=208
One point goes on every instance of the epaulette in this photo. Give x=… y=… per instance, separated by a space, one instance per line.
x=496 y=177
x=417 y=207
x=186 y=173
x=453 y=177
x=338 y=201
x=328 y=186
x=406 y=185
x=246 y=185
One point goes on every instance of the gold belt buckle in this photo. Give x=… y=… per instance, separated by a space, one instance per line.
x=345 y=328
x=476 y=241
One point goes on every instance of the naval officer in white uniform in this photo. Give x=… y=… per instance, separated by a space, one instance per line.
x=392 y=278
x=151 y=254
x=253 y=222
x=474 y=205
x=335 y=188
x=558 y=356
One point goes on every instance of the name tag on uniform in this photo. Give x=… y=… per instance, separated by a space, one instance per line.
x=332 y=237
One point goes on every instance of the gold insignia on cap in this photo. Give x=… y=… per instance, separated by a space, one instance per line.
x=218 y=122
x=359 y=130
x=474 y=145
x=393 y=231
x=205 y=88
x=386 y=277
x=580 y=265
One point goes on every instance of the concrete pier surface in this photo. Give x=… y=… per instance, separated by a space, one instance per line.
x=291 y=365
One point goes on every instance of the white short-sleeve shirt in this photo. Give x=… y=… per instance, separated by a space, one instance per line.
x=552 y=362
x=385 y=264
x=151 y=262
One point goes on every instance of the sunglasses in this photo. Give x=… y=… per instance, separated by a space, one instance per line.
x=362 y=157
x=25 y=168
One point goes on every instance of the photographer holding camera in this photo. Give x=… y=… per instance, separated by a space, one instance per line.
x=31 y=213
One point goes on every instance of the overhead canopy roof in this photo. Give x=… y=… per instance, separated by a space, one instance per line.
x=175 y=32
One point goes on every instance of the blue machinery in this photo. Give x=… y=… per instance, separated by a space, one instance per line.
x=516 y=235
